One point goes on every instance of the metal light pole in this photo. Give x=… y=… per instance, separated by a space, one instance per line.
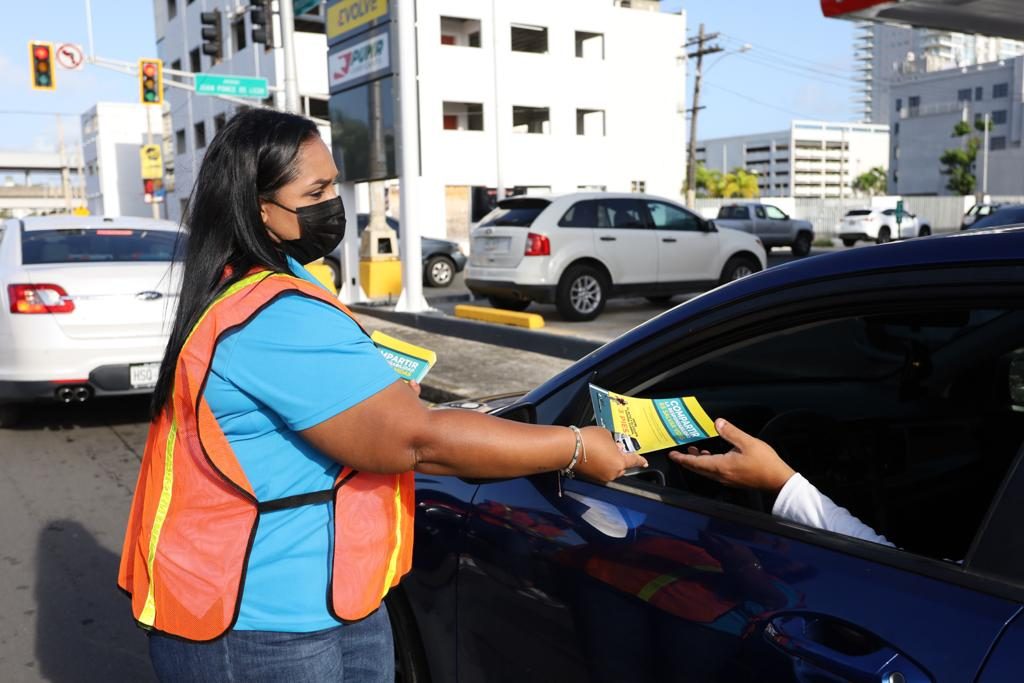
x=286 y=11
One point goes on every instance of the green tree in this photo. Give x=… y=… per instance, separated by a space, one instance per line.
x=740 y=183
x=958 y=162
x=871 y=182
x=709 y=182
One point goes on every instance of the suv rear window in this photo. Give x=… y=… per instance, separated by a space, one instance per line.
x=859 y=212
x=77 y=245
x=734 y=212
x=515 y=212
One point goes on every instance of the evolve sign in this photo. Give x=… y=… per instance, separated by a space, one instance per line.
x=359 y=62
x=347 y=16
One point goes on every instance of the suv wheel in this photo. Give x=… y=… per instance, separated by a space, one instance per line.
x=439 y=271
x=582 y=293
x=883 y=235
x=509 y=304
x=849 y=243
x=739 y=267
x=924 y=231
x=801 y=245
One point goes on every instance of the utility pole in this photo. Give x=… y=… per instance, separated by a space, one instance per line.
x=286 y=12
x=984 y=160
x=691 y=157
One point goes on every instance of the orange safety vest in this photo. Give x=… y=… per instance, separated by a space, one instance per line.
x=194 y=515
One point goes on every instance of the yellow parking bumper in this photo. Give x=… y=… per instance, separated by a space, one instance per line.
x=530 y=321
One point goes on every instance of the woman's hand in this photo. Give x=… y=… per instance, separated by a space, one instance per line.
x=605 y=460
x=751 y=463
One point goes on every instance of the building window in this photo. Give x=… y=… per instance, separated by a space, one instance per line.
x=463 y=115
x=460 y=32
x=979 y=93
x=1000 y=90
x=194 y=61
x=638 y=186
x=317 y=108
x=531 y=120
x=589 y=45
x=914 y=104
x=963 y=95
x=219 y=121
x=997 y=142
x=172 y=9
x=175 y=66
x=200 y=131
x=238 y=32
x=999 y=117
x=590 y=122
x=179 y=141
x=896 y=128
x=529 y=39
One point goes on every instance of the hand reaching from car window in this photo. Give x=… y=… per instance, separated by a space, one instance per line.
x=751 y=463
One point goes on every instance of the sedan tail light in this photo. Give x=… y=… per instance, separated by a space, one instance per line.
x=39 y=299
x=537 y=245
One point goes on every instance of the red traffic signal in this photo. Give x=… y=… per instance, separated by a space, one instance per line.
x=151 y=81
x=41 y=58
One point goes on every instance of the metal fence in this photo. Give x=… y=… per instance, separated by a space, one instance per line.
x=943 y=214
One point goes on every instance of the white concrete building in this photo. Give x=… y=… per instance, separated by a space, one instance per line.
x=112 y=135
x=539 y=96
x=195 y=119
x=927 y=106
x=886 y=54
x=810 y=159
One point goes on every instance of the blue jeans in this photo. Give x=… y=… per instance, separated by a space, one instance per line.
x=362 y=652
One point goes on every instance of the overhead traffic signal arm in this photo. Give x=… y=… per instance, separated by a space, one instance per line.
x=41 y=58
x=151 y=81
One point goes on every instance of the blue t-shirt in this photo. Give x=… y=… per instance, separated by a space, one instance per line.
x=296 y=363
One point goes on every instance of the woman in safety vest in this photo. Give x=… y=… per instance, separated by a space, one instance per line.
x=273 y=510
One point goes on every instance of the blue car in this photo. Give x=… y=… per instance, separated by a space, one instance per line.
x=892 y=377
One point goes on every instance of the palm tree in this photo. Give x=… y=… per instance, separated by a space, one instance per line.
x=740 y=183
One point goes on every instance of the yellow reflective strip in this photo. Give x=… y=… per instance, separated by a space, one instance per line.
x=705 y=422
x=397 y=548
x=148 y=615
x=648 y=591
x=241 y=284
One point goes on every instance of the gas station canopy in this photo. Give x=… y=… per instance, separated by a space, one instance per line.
x=1002 y=18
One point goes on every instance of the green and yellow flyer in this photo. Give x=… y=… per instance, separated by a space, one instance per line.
x=411 y=362
x=643 y=425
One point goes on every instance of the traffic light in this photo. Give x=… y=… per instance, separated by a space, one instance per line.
x=151 y=81
x=262 y=26
x=41 y=59
x=213 y=34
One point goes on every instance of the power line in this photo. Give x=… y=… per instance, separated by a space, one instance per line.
x=744 y=96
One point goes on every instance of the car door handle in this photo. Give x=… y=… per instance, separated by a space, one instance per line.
x=608 y=239
x=669 y=239
x=838 y=648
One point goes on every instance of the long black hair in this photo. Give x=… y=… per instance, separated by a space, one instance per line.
x=250 y=158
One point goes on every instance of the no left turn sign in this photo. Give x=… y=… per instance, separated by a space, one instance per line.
x=70 y=56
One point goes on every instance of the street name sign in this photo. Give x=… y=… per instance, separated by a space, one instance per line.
x=233 y=86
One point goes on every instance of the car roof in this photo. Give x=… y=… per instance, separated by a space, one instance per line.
x=578 y=196
x=30 y=223
x=989 y=246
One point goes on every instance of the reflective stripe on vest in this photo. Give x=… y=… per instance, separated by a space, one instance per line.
x=194 y=514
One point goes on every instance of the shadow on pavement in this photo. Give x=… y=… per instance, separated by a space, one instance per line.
x=85 y=630
x=96 y=413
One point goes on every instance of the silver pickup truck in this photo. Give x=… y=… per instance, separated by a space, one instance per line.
x=770 y=224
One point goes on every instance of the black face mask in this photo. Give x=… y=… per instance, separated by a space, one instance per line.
x=321 y=229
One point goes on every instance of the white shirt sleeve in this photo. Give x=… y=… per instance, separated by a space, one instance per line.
x=799 y=501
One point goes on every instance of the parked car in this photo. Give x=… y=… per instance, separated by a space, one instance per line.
x=87 y=309
x=578 y=250
x=892 y=378
x=442 y=259
x=879 y=225
x=770 y=224
x=1006 y=214
x=977 y=212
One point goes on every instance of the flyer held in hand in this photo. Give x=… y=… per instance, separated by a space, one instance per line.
x=643 y=425
x=411 y=362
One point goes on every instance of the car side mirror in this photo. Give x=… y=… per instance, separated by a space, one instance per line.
x=709 y=226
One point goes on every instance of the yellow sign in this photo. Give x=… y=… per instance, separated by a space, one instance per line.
x=79 y=211
x=349 y=15
x=152 y=162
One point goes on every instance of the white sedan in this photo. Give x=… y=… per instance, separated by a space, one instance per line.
x=879 y=225
x=87 y=306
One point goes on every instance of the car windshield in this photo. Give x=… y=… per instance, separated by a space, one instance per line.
x=859 y=212
x=1008 y=216
x=77 y=245
x=515 y=212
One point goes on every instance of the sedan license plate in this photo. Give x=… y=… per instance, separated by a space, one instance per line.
x=143 y=375
x=496 y=245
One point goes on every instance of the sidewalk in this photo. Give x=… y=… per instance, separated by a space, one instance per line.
x=469 y=369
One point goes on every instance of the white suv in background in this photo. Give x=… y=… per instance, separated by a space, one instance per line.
x=879 y=226
x=577 y=250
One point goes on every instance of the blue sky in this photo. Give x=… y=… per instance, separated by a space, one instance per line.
x=798 y=65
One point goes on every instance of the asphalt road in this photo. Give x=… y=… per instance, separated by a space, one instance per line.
x=66 y=479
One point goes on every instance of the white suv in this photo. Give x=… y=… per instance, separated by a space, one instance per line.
x=879 y=225
x=577 y=250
